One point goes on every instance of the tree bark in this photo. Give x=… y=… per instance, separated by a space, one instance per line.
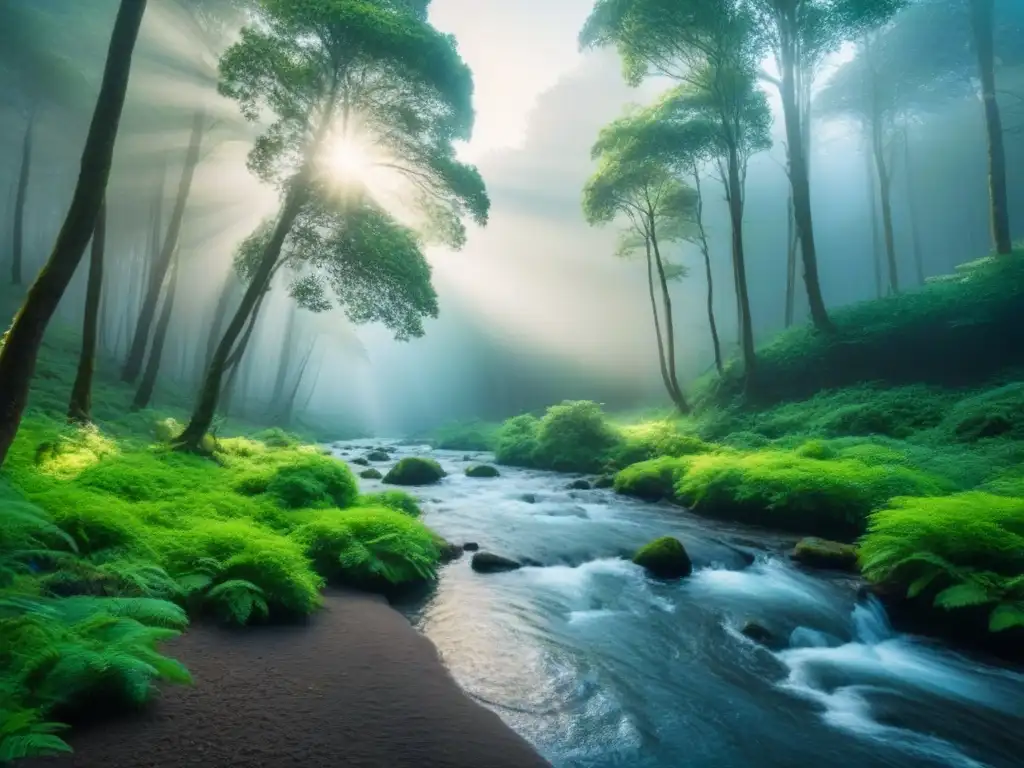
x=284 y=362
x=18 y=244
x=705 y=250
x=144 y=394
x=80 y=406
x=665 y=378
x=792 y=243
x=734 y=194
x=289 y=406
x=982 y=26
x=885 y=198
x=137 y=353
x=206 y=405
x=912 y=208
x=670 y=334
x=217 y=322
x=799 y=178
x=876 y=251
x=21 y=348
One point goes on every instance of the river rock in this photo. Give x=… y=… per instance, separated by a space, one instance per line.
x=605 y=481
x=761 y=635
x=471 y=546
x=371 y=474
x=449 y=551
x=414 y=470
x=579 y=485
x=361 y=462
x=488 y=562
x=378 y=456
x=529 y=498
x=481 y=470
x=664 y=558
x=822 y=553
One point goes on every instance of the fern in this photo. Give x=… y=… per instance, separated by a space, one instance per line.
x=963 y=595
x=237 y=601
x=24 y=733
x=1006 y=616
x=144 y=610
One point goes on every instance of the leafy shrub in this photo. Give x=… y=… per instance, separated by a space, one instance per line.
x=515 y=443
x=651 y=480
x=315 y=481
x=961 y=550
x=400 y=501
x=275 y=437
x=993 y=413
x=575 y=437
x=414 y=470
x=649 y=440
x=369 y=547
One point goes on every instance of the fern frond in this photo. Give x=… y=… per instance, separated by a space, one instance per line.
x=145 y=610
x=238 y=600
x=962 y=595
x=1006 y=616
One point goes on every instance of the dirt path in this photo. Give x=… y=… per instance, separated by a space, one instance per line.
x=359 y=687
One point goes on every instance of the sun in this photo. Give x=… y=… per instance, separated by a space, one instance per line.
x=348 y=161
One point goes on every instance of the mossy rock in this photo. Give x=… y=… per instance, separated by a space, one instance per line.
x=361 y=462
x=664 y=558
x=579 y=485
x=488 y=562
x=371 y=474
x=414 y=470
x=605 y=481
x=378 y=456
x=822 y=553
x=482 y=470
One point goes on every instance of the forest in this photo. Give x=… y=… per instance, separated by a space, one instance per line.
x=278 y=338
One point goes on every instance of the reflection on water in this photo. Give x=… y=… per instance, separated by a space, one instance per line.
x=600 y=666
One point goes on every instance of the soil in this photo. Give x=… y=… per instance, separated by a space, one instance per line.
x=355 y=686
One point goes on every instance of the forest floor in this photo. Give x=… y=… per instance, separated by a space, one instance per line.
x=902 y=431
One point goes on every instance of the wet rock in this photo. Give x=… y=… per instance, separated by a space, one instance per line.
x=605 y=481
x=467 y=457
x=822 y=553
x=414 y=470
x=664 y=558
x=378 y=456
x=761 y=635
x=488 y=562
x=482 y=470
x=361 y=462
x=471 y=546
x=529 y=498
x=371 y=474
x=449 y=551
x=579 y=485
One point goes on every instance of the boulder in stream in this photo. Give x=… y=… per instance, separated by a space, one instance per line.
x=579 y=485
x=664 y=558
x=529 y=498
x=361 y=462
x=414 y=470
x=371 y=474
x=471 y=546
x=378 y=456
x=761 y=635
x=605 y=481
x=449 y=551
x=822 y=553
x=482 y=470
x=488 y=562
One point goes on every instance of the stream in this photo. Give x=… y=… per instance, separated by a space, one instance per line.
x=599 y=666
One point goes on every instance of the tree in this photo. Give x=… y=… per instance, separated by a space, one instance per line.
x=80 y=407
x=657 y=206
x=704 y=45
x=21 y=344
x=331 y=74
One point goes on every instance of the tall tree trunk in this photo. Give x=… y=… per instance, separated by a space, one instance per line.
x=663 y=365
x=18 y=244
x=284 y=360
x=670 y=333
x=206 y=405
x=705 y=250
x=885 y=198
x=876 y=250
x=792 y=243
x=289 y=405
x=144 y=394
x=912 y=208
x=217 y=322
x=734 y=195
x=140 y=339
x=234 y=364
x=799 y=178
x=21 y=348
x=982 y=26
x=80 y=406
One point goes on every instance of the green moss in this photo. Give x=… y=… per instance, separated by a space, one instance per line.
x=396 y=500
x=482 y=470
x=651 y=480
x=665 y=558
x=414 y=470
x=371 y=474
x=313 y=481
x=821 y=553
x=515 y=442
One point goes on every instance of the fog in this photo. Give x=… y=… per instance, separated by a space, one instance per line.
x=536 y=307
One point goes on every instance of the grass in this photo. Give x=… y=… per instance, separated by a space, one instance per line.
x=110 y=542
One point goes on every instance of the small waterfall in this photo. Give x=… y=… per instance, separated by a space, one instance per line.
x=870 y=622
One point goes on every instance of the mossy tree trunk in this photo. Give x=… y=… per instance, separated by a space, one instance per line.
x=20 y=198
x=734 y=197
x=140 y=339
x=206 y=406
x=21 y=348
x=663 y=366
x=80 y=406
x=144 y=394
x=982 y=25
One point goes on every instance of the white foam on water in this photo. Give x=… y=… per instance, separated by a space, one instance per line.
x=579 y=617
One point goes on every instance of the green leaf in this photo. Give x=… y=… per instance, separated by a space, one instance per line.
x=963 y=595
x=1006 y=616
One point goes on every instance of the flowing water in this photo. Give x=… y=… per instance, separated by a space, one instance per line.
x=599 y=666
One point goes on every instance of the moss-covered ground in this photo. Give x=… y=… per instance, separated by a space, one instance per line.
x=111 y=542
x=903 y=432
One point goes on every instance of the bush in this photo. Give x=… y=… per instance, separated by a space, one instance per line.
x=316 y=481
x=515 y=443
x=575 y=437
x=275 y=437
x=649 y=440
x=414 y=470
x=370 y=547
x=400 y=501
x=960 y=551
x=651 y=480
